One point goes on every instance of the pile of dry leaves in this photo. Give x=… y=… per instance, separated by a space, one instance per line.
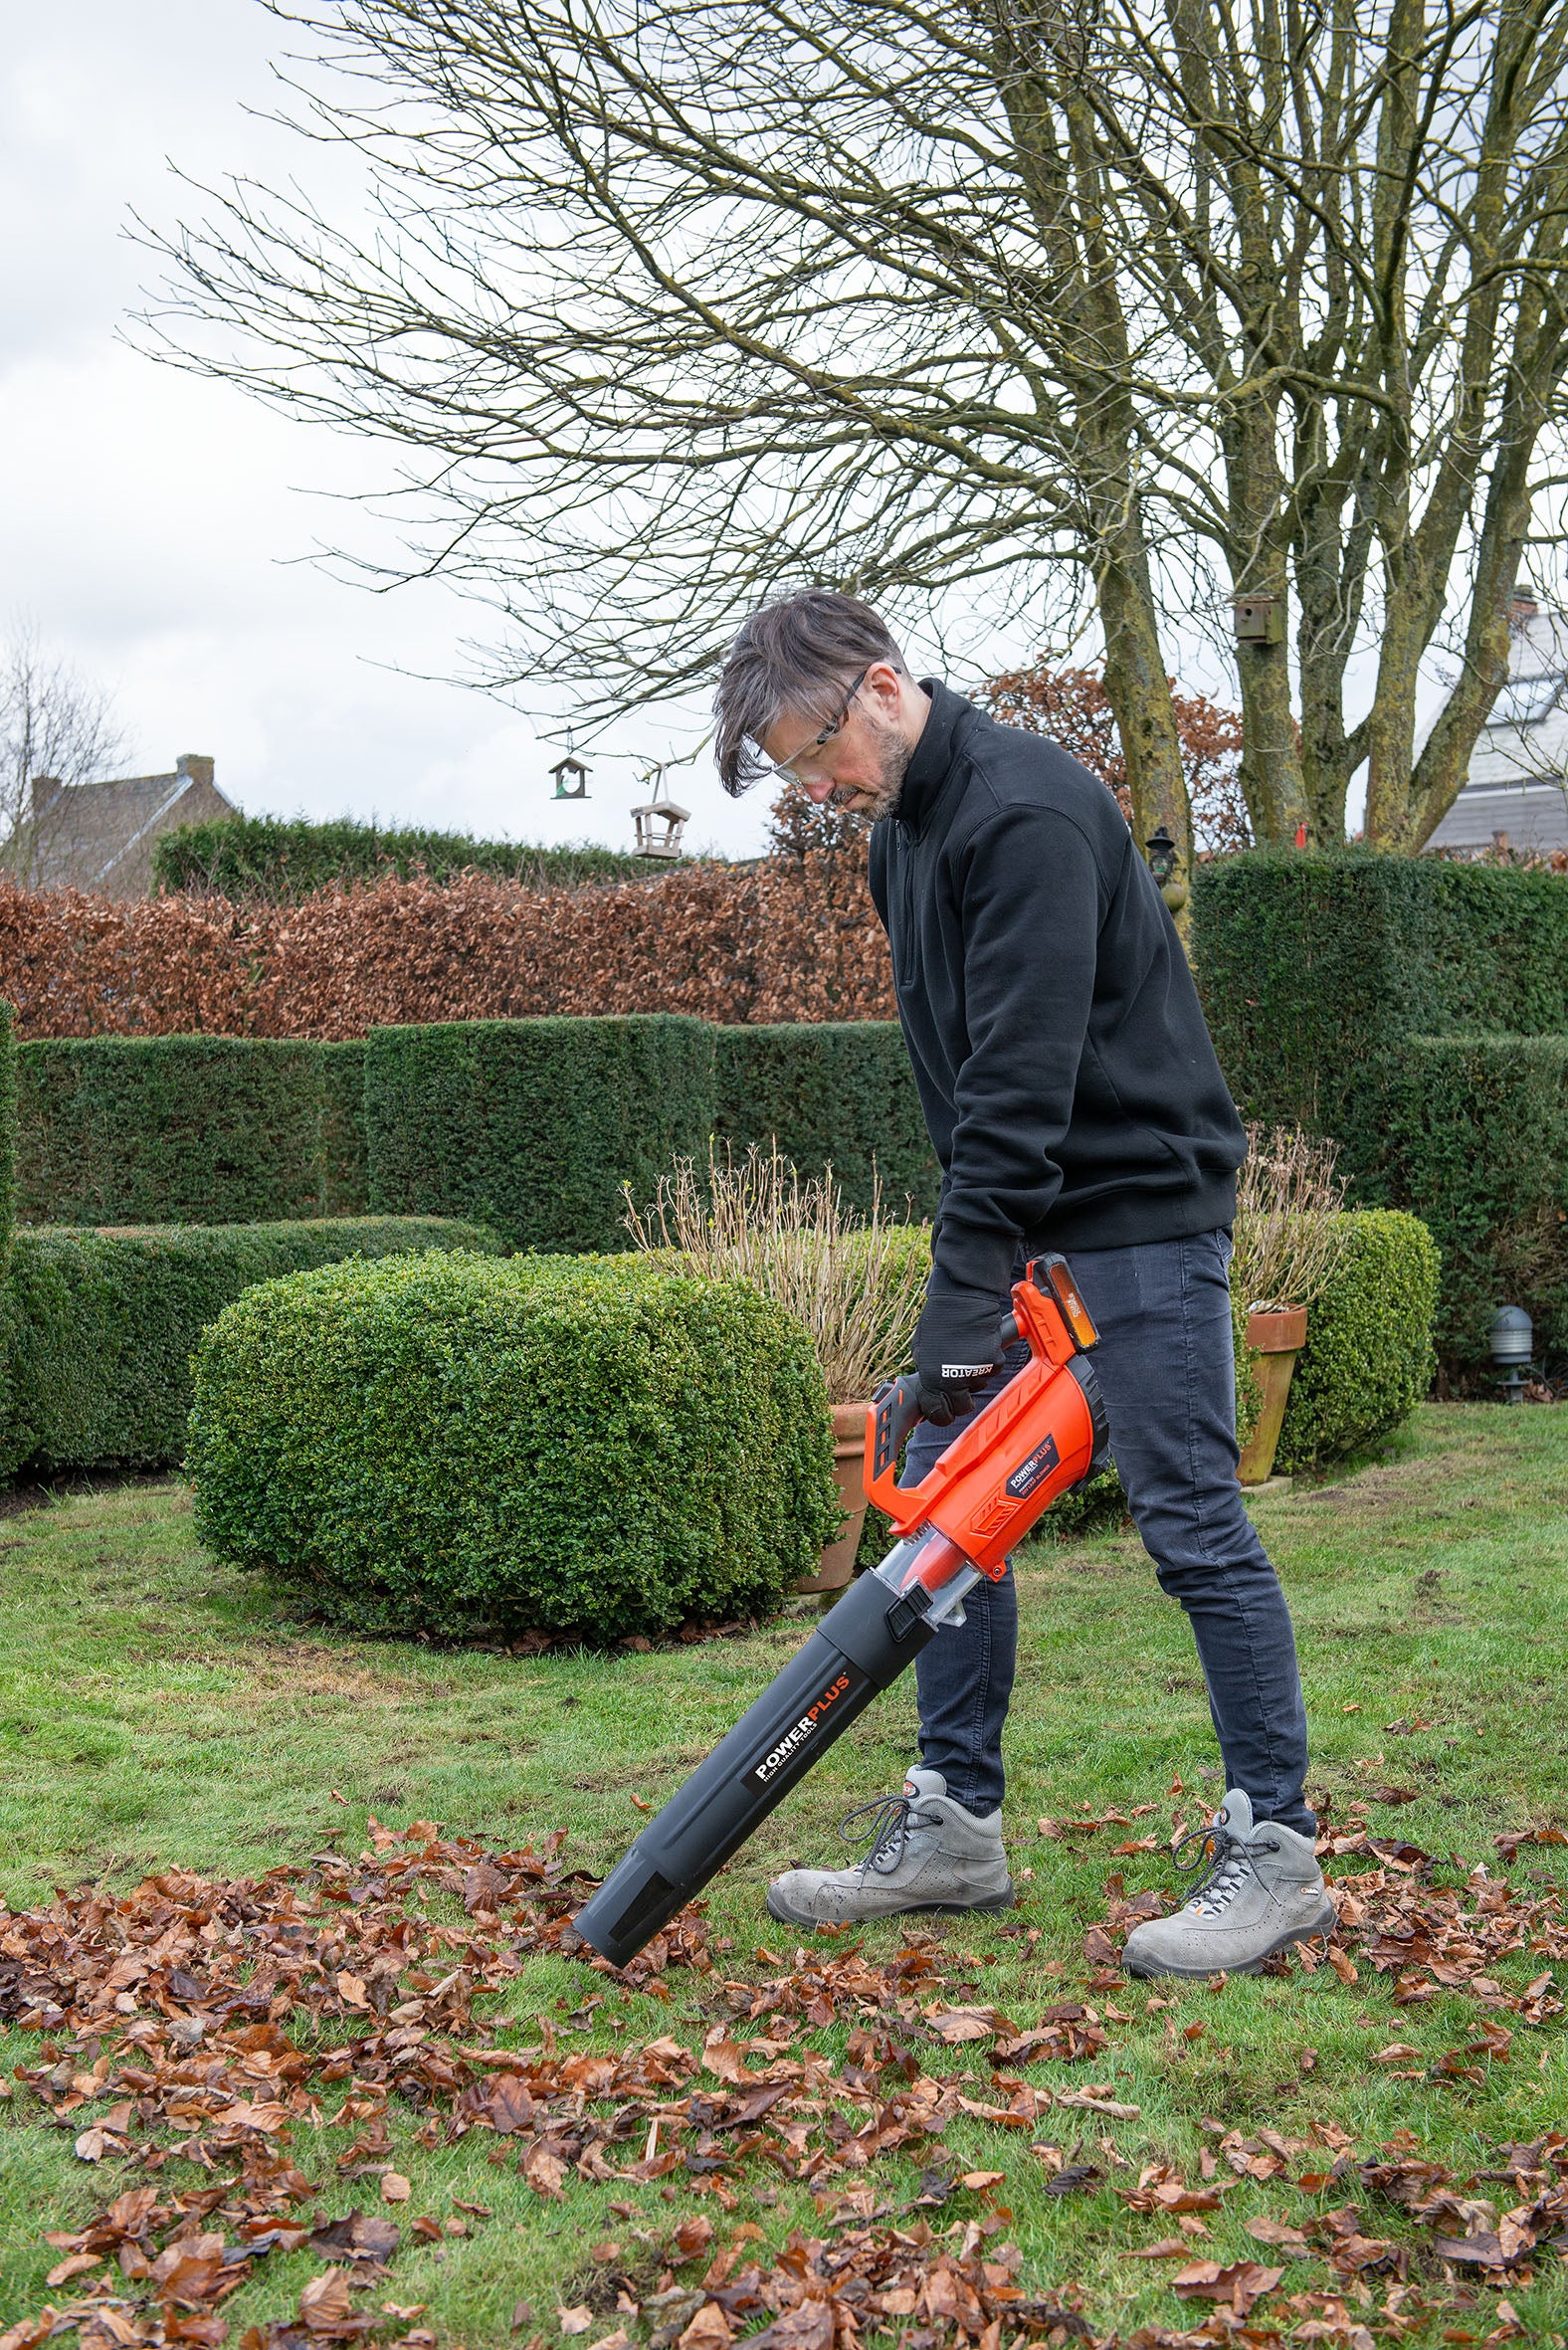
x=219 y=2022
x=210 y=2022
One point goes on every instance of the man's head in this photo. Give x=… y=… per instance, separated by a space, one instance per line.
x=815 y=687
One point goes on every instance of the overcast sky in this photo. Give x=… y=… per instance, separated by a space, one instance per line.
x=154 y=524
x=158 y=528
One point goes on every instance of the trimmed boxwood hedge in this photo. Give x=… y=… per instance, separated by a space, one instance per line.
x=1368 y=1357
x=199 y=1129
x=96 y=1328
x=837 y=1093
x=7 y=1131
x=1418 y=1012
x=532 y=1125
x=464 y=1447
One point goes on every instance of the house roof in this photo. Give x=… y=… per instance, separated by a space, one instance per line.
x=99 y=835
x=1533 y=815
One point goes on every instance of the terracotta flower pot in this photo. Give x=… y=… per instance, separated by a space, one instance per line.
x=849 y=1457
x=1274 y=1340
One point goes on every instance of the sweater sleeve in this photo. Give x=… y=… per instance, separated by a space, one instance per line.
x=1031 y=903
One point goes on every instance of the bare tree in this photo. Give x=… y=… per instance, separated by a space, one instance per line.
x=56 y=729
x=1045 y=306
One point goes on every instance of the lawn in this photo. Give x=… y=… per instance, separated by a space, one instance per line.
x=158 y=1712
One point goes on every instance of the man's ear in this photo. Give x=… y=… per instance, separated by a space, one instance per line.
x=885 y=681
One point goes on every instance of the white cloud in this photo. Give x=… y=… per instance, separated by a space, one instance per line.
x=153 y=522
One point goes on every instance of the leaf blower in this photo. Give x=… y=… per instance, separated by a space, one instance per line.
x=1042 y=1435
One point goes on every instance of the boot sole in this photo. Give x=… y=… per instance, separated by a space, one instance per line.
x=1253 y=1966
x=787 y=1916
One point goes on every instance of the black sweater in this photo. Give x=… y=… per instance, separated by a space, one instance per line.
x=1068 y=1084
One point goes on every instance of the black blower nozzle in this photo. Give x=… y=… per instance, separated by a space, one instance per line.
x=860 y=1648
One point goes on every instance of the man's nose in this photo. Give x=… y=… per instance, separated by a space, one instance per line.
x=819 y=789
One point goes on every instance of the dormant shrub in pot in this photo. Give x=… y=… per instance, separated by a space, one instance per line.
x=856 y=1287
x=1289 y=1228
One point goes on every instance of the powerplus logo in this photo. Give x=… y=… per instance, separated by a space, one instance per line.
x=807 y=1726
x=1041 y=1460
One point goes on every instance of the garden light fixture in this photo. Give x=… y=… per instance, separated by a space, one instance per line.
x=1510 y=1334
x=1162 y=855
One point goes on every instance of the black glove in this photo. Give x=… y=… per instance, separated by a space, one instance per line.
x=956 y=1348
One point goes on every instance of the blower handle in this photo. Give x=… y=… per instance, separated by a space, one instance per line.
x=1051 y=1318
x=896 y=1411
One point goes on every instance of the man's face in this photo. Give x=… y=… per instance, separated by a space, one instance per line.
x=860 y=767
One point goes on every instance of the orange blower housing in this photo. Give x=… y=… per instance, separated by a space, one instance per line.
x=1037 y=1438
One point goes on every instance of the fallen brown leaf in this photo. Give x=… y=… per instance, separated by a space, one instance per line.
x=1237 y=2286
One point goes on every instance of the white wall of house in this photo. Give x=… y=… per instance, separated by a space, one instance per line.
x=1517 y=786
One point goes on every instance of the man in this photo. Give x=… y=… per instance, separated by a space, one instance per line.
x=1073 y=1100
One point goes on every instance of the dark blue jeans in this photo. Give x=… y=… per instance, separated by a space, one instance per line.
x=1166 y=1369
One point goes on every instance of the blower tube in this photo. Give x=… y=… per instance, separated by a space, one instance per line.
x=860 y=1648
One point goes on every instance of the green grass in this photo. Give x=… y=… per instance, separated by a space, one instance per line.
x=157 y=1709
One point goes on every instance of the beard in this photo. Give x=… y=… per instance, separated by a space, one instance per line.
x=892 y=756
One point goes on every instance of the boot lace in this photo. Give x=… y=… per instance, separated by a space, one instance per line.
x=1225 y=1860
x=890 y=1819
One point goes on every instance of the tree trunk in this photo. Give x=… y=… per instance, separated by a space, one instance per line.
x=1141 y=696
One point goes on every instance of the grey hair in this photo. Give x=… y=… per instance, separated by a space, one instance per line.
x=798 y=655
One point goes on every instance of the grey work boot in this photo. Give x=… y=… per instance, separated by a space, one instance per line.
x=927 y=1853
x=1263 y=1891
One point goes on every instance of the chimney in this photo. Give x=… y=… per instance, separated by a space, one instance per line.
x=45 y=789
x=194 y=766
x=1521 y=611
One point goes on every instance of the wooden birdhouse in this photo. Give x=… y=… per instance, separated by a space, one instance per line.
x=571 y=778
x=1259 y=620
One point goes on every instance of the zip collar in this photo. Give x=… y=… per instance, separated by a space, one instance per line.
x=932 y=761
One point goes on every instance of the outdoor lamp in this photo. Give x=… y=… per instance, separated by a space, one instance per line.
x=1162 y=865
x=1510 y=1333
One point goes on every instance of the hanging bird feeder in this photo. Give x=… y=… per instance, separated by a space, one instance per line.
x=660 y=823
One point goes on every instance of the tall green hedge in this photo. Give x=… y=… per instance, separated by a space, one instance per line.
x=344 y=1170
x=533 y=1125
x=839 y=1094
x=1475 y=1130
x=1310 y=966
x=8 y=1131
x=97 y=1329
x=283 y=860
x=460 y=1446
x=200 y=1129
x=1418 y=1012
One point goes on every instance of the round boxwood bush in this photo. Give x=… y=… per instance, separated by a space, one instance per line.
x=1368 y=1359
x=461 y=1445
